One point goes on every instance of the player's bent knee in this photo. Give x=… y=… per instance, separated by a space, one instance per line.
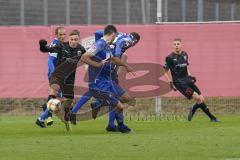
x=125 y=98
x=202 y=98
x=197 y=98
x=119 y=107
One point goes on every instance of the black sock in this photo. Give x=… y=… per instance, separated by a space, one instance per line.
x=194 y=108
x=51 y=97
x=67 y=112
x=205 y=109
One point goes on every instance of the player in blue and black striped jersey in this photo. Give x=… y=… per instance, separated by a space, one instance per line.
x=60 y=34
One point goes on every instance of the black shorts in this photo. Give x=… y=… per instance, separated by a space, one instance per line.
x=107 y=98
x=186 y=87
x=64 y=76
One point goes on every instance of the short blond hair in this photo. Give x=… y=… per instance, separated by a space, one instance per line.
x=177 y=39
x=74 y=32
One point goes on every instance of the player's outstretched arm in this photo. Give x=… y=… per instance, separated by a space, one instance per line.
x=44 y=48
x=168 y=77
x=192 y=78
x=119 y=62
x=86 y=58
x=124 y=59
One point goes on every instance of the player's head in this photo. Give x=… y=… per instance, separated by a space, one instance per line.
x=135 y=38
x=74 y=38
x=60 y=33
x=177 y=45
x=110 y=33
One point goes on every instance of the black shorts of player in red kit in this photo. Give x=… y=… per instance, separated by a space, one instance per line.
x=64 y=76
x=186 y=86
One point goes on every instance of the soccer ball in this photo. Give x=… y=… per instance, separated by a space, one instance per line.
x=53 y=105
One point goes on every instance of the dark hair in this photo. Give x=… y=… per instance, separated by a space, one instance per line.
x=178 y=39
x=57 y=29
x=74 y=32
x=135 y=35
x=109 y=29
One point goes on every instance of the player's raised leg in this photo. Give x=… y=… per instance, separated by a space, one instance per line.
x=199 y=99
x=73 y=115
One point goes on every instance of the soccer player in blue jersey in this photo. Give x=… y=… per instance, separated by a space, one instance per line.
x=121 y=43
x=101 y=62
x=60 y=34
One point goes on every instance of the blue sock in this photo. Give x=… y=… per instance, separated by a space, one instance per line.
x=44 y=115
x=120 y=118
x=44 y=106
x=111 y=118
x=59 y=94
x=81 y=102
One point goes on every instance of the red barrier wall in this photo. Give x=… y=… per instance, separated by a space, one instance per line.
x=212 y=48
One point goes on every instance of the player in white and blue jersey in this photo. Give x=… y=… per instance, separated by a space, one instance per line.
x=121 y=43
x=100 y=61
x=60 y=34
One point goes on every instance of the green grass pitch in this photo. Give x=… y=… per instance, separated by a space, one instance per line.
x=21 y=139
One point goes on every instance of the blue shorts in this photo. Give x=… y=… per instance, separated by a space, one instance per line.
x=117 y=89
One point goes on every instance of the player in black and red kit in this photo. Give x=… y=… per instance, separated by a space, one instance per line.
x=181 y=79
x=63 y=77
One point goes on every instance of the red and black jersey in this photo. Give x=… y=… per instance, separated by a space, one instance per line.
x=67 y=60
x=177 y=63
x=65 y=52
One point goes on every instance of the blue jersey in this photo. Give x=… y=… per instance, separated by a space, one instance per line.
x=52 y=58
x=120 y=44
x=101 y=85
x=100 y=51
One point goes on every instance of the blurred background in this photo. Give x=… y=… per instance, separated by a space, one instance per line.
x=88 y=12
x=209 y=29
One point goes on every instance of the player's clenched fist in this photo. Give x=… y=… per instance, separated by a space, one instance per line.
x=42 y=42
